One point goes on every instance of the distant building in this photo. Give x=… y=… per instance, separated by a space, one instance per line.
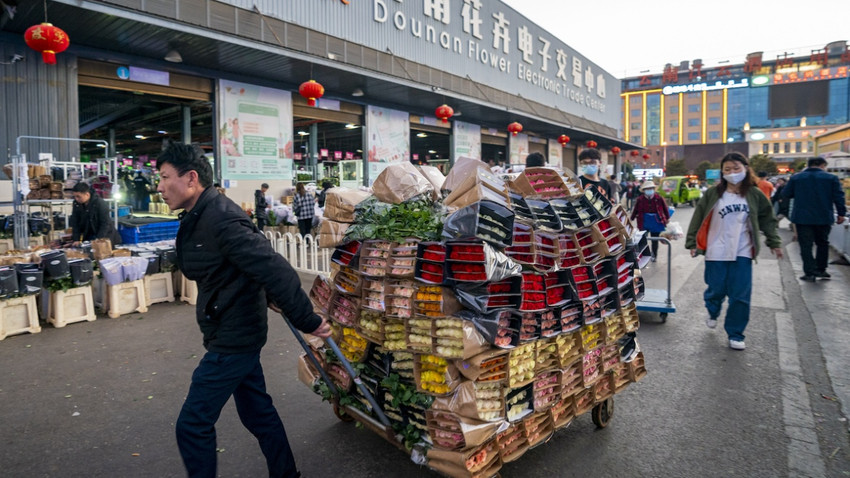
x=774 y=105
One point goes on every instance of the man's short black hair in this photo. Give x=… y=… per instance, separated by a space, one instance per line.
x=762 y=174
x=816 y=162
x=590 y=153
x=264 y=186
x=81 y=187
x=185 y=158
x=534 y=160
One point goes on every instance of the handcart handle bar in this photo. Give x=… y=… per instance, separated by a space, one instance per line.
x=664 y=240
x=348 y=368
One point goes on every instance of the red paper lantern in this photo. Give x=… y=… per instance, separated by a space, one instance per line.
x=48 y=40
x=312 y=90
x=646 y=156
x=514 y=128
x=615 y=150
x=444 y=113
x=634 y=152
x=563 y=139
x=591 y=144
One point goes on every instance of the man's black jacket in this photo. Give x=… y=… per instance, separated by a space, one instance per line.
x=236 y=269
x=91 y=221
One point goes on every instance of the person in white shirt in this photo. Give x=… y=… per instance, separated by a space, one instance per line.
x=725 y=227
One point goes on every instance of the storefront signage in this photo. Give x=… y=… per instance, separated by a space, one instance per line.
x=695 y=87
x=487 y=42
x=323 y=153
x=255 y=131
x=349 y=155
x=144 y=75
x=337 y=154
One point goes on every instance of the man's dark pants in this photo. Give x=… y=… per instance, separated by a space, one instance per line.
x=261 y=223
x=817 y=235
x=217 y=377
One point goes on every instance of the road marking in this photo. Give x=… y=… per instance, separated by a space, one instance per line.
x=767 y=285
x=804 y=454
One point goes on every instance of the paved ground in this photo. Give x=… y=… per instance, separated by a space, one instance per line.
x=100 y=398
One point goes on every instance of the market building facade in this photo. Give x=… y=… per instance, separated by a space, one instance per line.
x=774 y=106
x=226 y=75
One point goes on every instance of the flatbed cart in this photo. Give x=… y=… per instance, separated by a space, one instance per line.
x=601 y=414
x=659 y=300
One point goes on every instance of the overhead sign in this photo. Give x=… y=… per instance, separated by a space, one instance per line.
x=255 y=131
x=694 y=87
x=486 y=42
x=809 y=75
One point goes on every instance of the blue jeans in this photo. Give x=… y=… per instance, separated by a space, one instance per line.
x=732 y=279
x=217 y=377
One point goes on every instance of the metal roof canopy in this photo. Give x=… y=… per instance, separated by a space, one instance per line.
x=109 y=33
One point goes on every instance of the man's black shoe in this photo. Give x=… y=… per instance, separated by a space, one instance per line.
x=808 y=278
x=823 y=275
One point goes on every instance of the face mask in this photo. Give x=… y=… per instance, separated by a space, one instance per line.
x=589 y=169
x=735 y=178
x=649 y=192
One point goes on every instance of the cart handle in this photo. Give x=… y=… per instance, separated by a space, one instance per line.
x=312 y=357
x=348 y=368
x=664 y=240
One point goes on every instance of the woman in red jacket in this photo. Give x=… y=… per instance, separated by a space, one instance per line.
x=650 y=203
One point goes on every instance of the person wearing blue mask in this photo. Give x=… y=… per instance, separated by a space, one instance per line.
x=726 y=228
x=589 y=163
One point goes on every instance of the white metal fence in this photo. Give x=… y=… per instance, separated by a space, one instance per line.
x=303 y=252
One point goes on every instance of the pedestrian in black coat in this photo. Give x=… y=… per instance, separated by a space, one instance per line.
x=239 y=276
x=90 y=217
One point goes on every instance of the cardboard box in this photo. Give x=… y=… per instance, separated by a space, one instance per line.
x=480 y=401
x=450 y=431
x=480 y=462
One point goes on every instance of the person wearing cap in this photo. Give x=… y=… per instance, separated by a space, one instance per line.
x=725 y=228
x=650 y=203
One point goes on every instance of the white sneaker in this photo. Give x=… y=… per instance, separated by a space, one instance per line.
x=737 y=344
x=711 y=323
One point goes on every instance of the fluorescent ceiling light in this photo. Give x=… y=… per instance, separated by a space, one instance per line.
x=303 y=133
x=421 y=135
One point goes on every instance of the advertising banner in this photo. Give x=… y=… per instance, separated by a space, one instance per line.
x=467 y=140
x=255 y=131
x=555 y=156
x=519 y=148
x=388 y=140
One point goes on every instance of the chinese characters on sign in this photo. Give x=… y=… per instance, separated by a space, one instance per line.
x=491 y=39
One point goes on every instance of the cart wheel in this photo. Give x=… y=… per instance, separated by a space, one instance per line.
x=340 y=413
x=663 y=316
x=603 y=413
